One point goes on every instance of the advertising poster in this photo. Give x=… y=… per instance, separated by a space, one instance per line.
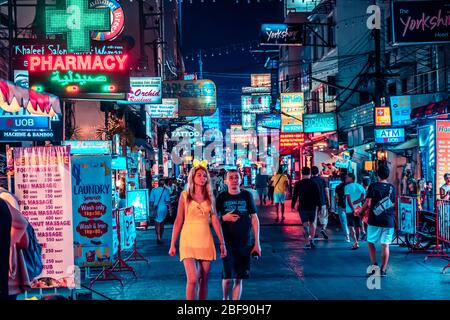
x=291 y=140
x=407 y=215
x=292 y=109
x=92 y=210
x=260 y=80
x=43 y=186
x=138 y=199
x=442 y=151
x=248 y=121
x=127 y=228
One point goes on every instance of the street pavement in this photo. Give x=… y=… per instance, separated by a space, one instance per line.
x=286 y=271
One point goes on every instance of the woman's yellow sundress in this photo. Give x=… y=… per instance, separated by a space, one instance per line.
x=196 y=240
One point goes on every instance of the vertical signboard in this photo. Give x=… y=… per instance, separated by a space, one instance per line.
x=382 y=117
x=407 y=215
x=43 y=184
x=138 y=199
x=442 y=151
x=292 y=109
x=92 y=210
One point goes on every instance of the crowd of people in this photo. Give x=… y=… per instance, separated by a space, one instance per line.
x=366 y=212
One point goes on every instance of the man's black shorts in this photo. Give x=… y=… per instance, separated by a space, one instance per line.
x=308 y=216
x=236 y=265
x=354 y=221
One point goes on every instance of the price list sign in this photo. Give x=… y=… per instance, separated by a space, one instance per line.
x=442 y=150
x=43 y=184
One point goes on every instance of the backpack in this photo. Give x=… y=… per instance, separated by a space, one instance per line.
x=33 y=254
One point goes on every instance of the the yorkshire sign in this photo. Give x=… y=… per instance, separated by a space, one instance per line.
x=416 y=22
x=281 y=34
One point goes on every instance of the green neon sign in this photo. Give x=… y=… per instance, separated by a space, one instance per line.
x=77 y=21
x=76 y=78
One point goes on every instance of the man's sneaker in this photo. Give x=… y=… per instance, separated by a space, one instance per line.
x=307 y=246
x=347 y=239
x=312 y=245
x=324 y=234
x=363 y=237
x=383 y=273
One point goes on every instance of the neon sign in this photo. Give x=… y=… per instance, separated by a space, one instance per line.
x=71 y=77
x=77 y=21
x=92 y=62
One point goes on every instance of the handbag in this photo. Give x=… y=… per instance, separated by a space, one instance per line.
x=384 y=204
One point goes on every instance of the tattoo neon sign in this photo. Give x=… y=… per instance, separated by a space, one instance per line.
x=93 y=62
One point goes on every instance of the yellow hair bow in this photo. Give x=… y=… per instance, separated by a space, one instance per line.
x=197 y=163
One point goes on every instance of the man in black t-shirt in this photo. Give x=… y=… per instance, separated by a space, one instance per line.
x=308 y=195
x=380 y=200
x=340 y=206
x=237 y=211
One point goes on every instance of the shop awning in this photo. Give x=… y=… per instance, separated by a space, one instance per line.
x=14 y=99
x=406 y=145
x=430 y=110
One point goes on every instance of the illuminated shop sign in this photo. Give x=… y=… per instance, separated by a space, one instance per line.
x=261 y=80
x=390 y=135
x=291 y=140
x=256 y=103
x=255 y=90
x=415 y=22
x=319 y=122
x=248 y=121
x=196 y=97
x=145 y=90
x=76 y=21
x=117 y=19
x=167 y=109
x=88 y=146
x=292 y=109
x=281 y=34
x=51 y=68
x=382 y=116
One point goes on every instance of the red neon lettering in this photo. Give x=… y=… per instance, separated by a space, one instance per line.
x=83 y=64
x=59 y=63
x=121 y=60
x=98 y=64
x=34 y=62
x=71 y=62
x=109 y=65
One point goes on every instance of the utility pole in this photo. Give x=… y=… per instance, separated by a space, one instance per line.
x=200 y=65
x=378 y=75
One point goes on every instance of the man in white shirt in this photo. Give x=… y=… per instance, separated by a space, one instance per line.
x=159 y=201
x=354 y=198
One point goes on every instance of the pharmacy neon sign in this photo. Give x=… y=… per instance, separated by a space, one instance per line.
x=93 y=62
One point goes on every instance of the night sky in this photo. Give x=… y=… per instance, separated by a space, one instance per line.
x=228 y=26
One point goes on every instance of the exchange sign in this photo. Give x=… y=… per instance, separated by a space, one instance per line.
x=319 y=122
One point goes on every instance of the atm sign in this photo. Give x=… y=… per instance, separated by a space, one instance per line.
x=391 y=135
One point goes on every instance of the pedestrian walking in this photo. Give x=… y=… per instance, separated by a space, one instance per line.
x=160 y=204
x=340 y=206
x=379 y=203
x=354 y=198
x=238 y=214
x=308 y=195
x=324 y=200
x=262 y=187
x=365 y=184
x=280 y=185
x=196 y=209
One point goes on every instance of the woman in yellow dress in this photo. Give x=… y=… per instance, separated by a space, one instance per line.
x=196 y=210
